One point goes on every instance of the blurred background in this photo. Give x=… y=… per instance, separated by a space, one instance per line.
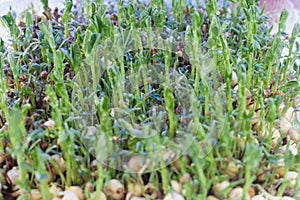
x=274 y=8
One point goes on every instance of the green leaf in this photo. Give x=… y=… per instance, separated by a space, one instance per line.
x=289 y=85
x=27 y=91
x=272 y=114
x=10 y=22
x=1 y=45
x=215 y=27
x=45 y=3
x=169 y=99
x=67 y=11
x=47 y=31
x=212 y=8
x=76 y=58
x=282 y=22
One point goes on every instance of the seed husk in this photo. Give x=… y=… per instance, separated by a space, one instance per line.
x=290 y=114
x=70 y=195
x=234 y=80
x=55 y=190
x=185 y=178
x=51 y=177
x=16 y=191
x=237 y=194
x=130 y=196
x=137 y=198
x=294 y=134
x=277 y=123
x=35 y=194
x=136 y=163
x=285 y=125
x=232 y=170
x=258 y=197
x=292 y=148
x=135 y=189
x=261 y=175
x=56 y=198
x=275 y=137
x=185 y=160
x=280 y=173
x=50 y=124
x=88 y=187
x=60 y=162
x=43 y=74
x=210 y=197
x=78 y=191
x=256 y=117
x=292 y=177
x=248 y=96
x=218 y=189
x=176 y=186
x=12 y=176
x=251 y=191
x=287 y=198
x=115 y=189
x=179 y=53
x=91 y=130
x=279 y=168
x=235 y=92
x=173 y=196
x=94 y=165
x=257 y=129
x=150 y=190
x=102 y=196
